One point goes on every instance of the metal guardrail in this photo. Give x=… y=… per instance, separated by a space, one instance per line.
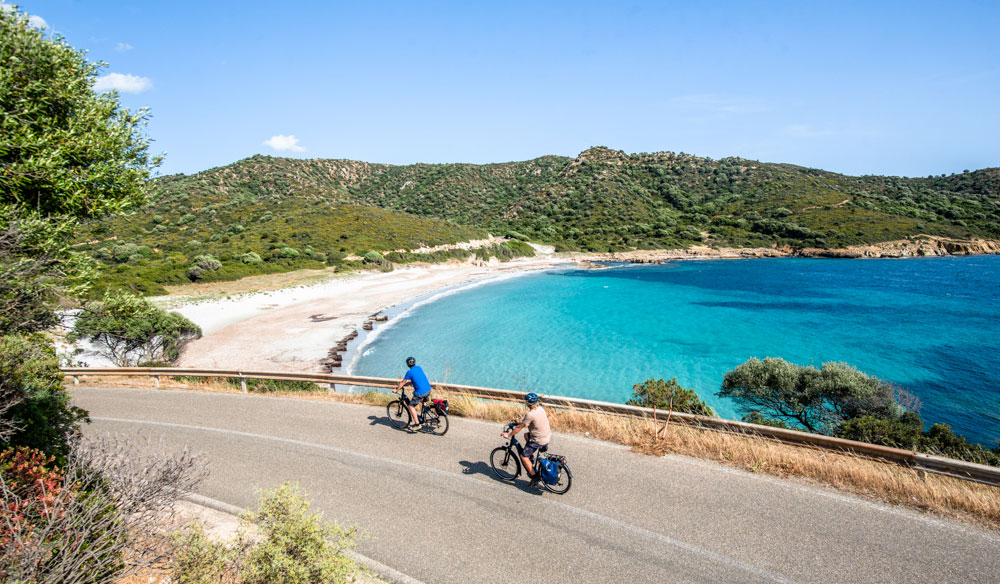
x=935 y=464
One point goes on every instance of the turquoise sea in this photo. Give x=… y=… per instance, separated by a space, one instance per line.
x=929 y=325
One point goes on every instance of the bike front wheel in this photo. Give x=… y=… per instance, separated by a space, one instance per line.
x=564 y=482
x=399 y=414
x=436 y=423
x=505 y=463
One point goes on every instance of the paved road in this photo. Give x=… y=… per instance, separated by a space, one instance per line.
x=434 y=511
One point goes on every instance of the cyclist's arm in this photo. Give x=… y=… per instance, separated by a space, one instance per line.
x=402 y=382
x=513 y=430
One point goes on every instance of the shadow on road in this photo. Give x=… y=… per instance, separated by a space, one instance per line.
x=383 y=421
x=480 y=467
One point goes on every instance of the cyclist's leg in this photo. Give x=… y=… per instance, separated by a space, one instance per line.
x=526 y=454
x=411 y=405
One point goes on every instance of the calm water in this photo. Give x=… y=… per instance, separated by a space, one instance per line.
x=929 y=325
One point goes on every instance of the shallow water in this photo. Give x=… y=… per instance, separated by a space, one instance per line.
x=929 y=325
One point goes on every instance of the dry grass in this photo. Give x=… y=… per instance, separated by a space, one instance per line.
x=882 y=481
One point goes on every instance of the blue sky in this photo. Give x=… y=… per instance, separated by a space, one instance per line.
x=902 y=88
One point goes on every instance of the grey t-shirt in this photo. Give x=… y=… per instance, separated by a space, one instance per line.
x=538 y=425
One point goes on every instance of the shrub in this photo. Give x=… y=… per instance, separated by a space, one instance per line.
x=659 y=394
x=251 y=258
x=202 y=264
x=296 y=546
x=35 y=409
x=292 y=546
x=374 y=257
x=96 y=519
x=285 y=252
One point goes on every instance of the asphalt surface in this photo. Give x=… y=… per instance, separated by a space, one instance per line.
x=431 y=507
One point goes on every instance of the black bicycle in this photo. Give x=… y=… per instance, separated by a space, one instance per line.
x=506 y=463
x=433 y=414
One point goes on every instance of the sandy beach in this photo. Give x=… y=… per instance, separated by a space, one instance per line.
x=292 y=329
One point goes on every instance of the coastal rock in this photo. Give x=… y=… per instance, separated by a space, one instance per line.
x=919 y=246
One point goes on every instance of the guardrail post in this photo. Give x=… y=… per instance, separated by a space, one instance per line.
x=76 y=380
x=156 y=381
x=329 y=388
x=243 y=383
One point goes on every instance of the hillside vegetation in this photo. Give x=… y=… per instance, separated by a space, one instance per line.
x=292 y=213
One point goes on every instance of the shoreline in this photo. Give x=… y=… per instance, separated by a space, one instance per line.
x=306 y=327
x=300 y=328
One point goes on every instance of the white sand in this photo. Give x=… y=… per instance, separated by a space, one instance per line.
x=294 y=328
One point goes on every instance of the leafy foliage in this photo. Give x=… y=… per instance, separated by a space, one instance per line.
x=818 y=400
x=294 y=546
x=65 y=150
x=96 y=519
x=842 y=401
x=33 y=401
x=132 y=330
x=908 y=433
x=659 y=394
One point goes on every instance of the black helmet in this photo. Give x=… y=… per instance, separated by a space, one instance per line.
x=410 y=361
x=531 y=398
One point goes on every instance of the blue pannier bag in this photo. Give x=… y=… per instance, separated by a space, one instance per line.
x=549 y=471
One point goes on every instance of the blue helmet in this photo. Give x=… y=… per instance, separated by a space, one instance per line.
x=531 y=398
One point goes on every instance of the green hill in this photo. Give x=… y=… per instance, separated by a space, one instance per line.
x=603 y=200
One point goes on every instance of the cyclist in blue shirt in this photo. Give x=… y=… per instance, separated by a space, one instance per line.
x=416 y=377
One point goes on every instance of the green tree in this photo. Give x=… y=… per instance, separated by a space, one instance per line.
x=670 y=396
x=819 y=400
x=132 y=331
x=64 y=149
x=660 y=394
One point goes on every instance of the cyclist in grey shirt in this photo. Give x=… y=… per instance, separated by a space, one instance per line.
x=539 y=433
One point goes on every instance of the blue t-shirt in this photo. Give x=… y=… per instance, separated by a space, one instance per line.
x=420 y=384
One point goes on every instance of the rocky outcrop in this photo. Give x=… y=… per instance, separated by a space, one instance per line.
x=919 y=246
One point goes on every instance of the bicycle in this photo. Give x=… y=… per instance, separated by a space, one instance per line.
x=433 y=416
x=506 y=463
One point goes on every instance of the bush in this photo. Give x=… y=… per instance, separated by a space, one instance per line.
x=663 y=395
x=251 y=258
x=905 y=432
x=293 y=546
x=96 y=519
x=201 y=265
x=131 y=330
x=35 y=409
x=374 y=257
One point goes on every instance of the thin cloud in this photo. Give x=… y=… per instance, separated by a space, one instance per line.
x=282 y=142
x=123 y=83
x=122 y=47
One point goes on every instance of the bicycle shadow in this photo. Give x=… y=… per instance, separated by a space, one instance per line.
x=384 y=421
x=482 y=468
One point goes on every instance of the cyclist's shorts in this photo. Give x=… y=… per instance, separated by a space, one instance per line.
x=530 y=448
x=418 y=399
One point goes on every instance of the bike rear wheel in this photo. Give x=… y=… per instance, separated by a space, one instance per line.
x=564 y=482
x=399 y=414
x=436 y=423
x=505 y=463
